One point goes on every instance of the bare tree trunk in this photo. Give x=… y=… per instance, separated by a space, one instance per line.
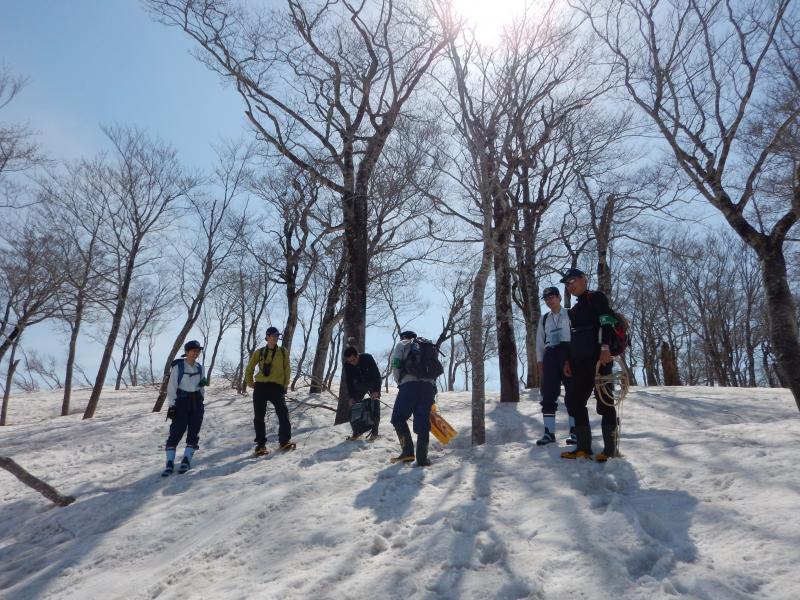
x=782 y=318
x=326 y=327
x=476 y=350
x=12 y=367
x=37 y=484
x=75 y=328
x=108 y=351
x=506 y=340
x=669 y=365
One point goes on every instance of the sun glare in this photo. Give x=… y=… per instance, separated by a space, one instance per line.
x=487 y=18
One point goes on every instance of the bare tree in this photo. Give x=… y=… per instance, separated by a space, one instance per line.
x=81 y=223
x=214 y=213
x=140 y=192
x=349 y=71
x=31 y=277
x=19 y=153
x=697 y=69
x=148 y=300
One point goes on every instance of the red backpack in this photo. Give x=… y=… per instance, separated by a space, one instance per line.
x=620 y=337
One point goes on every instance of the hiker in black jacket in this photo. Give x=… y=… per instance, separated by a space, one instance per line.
x=363 y=377
x=589 y=343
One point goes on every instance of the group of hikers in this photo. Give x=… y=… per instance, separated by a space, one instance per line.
x=570 y=343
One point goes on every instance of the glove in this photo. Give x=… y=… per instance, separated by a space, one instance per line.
x=203 y=382
x=170 y=413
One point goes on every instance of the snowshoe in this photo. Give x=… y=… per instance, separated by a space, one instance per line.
x=287 y=446
x=260 y=451
x=402 y=458
x=169 y=469
x=354 y=437
x=184 y=466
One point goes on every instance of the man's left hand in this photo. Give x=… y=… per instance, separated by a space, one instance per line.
x=605 y=356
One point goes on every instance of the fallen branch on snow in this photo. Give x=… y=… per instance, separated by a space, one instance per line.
x=40 y=486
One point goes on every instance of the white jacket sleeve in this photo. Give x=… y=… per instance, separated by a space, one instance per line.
x=397 y=362
x=540 y=341
x=172 y=386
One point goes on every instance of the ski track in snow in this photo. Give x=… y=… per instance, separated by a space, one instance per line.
x=703 y=505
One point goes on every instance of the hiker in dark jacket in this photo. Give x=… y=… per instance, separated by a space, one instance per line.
x=589 y=344
x=363 y=378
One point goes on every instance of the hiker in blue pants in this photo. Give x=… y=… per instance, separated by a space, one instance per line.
x=415 y=396
x=185 y=397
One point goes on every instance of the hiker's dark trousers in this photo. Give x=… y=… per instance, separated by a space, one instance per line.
x=580 y=386
x=189 y=411
x=270 y=392
x=552 y=377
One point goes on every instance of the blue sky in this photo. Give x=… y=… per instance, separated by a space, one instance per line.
x=106 y=62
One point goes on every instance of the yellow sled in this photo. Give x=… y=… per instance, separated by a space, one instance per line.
x=441 y=429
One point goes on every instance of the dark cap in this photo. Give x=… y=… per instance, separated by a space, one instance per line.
x=192 y=345
x=408 y=335
x=570 y=273
x=272 y=331
x=550 y=291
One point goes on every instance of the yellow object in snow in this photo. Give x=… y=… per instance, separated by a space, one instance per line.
x=441 y=429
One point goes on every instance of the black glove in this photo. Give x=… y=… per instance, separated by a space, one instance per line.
x=203 y=382
x=170 y=413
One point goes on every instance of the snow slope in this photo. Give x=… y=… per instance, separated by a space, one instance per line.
x=704 y=505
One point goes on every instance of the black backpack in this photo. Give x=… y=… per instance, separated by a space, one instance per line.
x=423 y=360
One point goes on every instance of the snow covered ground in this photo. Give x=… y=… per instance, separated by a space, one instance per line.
x=704 y=505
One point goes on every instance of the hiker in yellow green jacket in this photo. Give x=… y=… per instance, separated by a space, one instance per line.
x=270 y=385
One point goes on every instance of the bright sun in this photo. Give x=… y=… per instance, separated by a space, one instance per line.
x=488 y=17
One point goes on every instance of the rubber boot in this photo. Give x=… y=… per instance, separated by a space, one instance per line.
x=549 y=436
x=609 y=426
x=406 y=444
x=422 y=450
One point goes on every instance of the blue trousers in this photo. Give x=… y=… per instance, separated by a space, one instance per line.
x=189 y=412
x=552 y=377
x=414 y=398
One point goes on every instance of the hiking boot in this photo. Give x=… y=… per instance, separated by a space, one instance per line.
x=573 y=454
x=260 y=451
x=169 y=469
x=402 y=458
x=571 y=440
x=287 y=446
x=185 y=465
x=372 y=437
x=547 y=438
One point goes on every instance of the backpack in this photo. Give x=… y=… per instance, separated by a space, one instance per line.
x=620 y=337
x=361 y=417
x=181 y=366
x=422 y=360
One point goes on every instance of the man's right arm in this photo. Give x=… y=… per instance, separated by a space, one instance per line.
x=251 y=366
